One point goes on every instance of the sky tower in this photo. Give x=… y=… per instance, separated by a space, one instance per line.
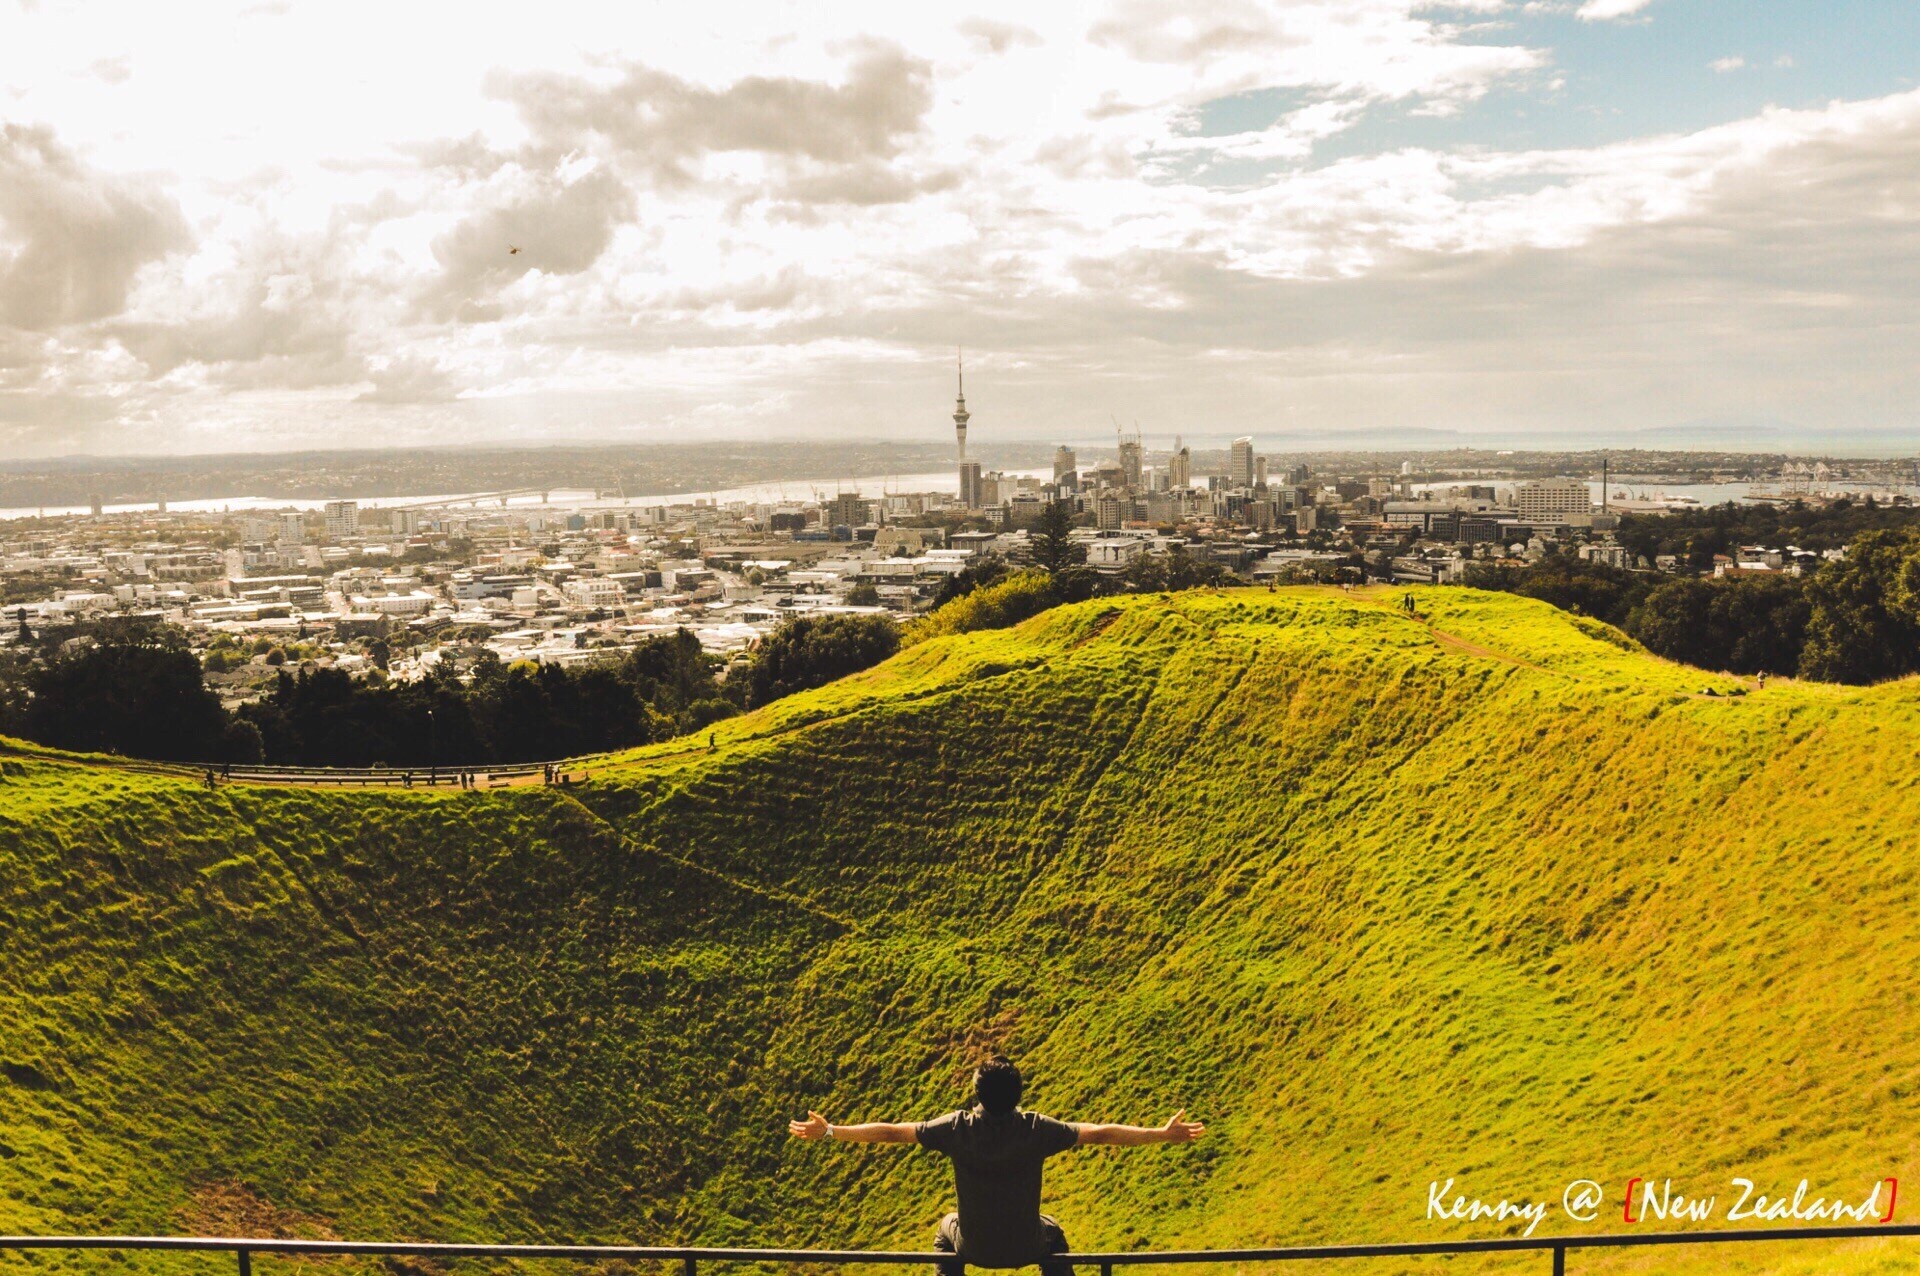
x=960 y=413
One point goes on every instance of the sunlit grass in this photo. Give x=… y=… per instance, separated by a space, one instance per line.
x=1483 y=894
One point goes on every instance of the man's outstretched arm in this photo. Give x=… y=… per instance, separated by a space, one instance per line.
x=818 y=1127
x=1177 y=1130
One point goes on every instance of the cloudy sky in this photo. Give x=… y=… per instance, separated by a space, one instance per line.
x=289 y=225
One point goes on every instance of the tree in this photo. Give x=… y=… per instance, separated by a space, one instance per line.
x=1743 y=624
x=1051 y=547
x=675 y=677
x=138 y=694
x=984 y=570
x=811 y=651
x=242 y=742
x=1571 y=584
x=863 y=595
x=1177 y=569
x=1862 y=625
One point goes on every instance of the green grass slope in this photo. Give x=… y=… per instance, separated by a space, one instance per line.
x=1486 y=895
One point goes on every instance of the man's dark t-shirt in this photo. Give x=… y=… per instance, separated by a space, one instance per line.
x=996 y=1174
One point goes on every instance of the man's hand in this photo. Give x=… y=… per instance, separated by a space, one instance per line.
x=814 y=1127
x=1176 y=1130
x=1180 y=1130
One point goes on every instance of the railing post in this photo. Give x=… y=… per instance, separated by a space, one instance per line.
x=1559 y=1260
x=246 y=1262
x=687 y=1266
x=1106 y=1269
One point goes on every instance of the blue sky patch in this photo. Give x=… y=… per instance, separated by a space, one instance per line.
x=1612 y=81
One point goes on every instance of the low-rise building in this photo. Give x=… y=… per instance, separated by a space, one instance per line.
x=1114 y=553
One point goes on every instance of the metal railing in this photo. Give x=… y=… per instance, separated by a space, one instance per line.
x=484 y=774
x=689 y=1258
x=480 y=774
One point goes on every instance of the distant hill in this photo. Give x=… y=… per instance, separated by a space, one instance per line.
x=615 y=469
x=1488 y=895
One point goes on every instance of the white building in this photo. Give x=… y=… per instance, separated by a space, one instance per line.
x=413 y=603
x=1609 y=555
x=594 y=591
x=1114 y=552
x=343 y=519
x=1240 y=463
x=1552 y=500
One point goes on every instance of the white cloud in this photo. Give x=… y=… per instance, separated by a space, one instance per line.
x=993 y=37
x=723 y=215
x=112 y=70
x=1732 y=62
x=410 y=380
x=72 y=238
x=1609 y=10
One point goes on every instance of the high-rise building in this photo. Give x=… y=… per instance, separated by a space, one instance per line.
x=848 y=510
x=343 y=519
x=970 y=484
x=293 y=527
x=1259 y=471
x=1240 y=462
x=1130 y=461
x=1552 y=499
x=97 y=504
x=1180 y=468
x=1066 y=467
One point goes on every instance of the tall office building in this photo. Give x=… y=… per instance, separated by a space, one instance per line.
x=970 y=484
x=1180 y=468
x=1259 y=471
x=1240 y=462
x=343 y=519
x=1130 y=466
x=1064 y=463
x=849 y=509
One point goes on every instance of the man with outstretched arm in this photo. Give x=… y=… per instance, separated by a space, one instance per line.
x=997 y=1150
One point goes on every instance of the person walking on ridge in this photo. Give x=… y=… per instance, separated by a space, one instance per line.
x=997 y=1149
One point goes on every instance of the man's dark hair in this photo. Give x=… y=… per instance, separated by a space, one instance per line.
x=997 y=1085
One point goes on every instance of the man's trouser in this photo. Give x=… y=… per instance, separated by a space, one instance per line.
x=947 y=1241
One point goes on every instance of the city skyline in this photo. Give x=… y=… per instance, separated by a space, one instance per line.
x=1370 y=222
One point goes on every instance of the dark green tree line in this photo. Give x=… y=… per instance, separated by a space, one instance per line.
x=1856 y=620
